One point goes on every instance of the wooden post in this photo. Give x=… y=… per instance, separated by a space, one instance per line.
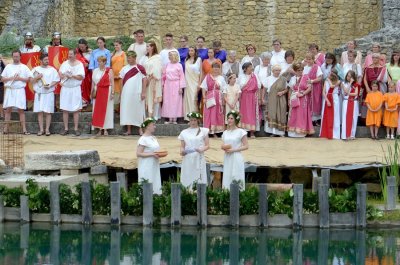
x=24 y=208
x=391 y=193
x=208 y=171
x=234 y=204
x=361 y=214
x=87 y=214
x=323 y=205
x=298 y=205
x=262 y=205
x=115 y=191
x=315 y=180
x=55 y=212
x=202 y=204
x=147 y=204
x=176 y=204
x=121 y=178
x=2 y=217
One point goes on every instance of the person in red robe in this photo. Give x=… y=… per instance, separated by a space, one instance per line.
x=83 y=55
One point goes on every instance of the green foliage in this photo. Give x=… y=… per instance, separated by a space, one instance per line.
x=70 y=201
x=217 y=202
x=162 y=203
x=132 y=200
x=11 y=196
x=310 y=202
x=280 y=203
x=343 y=202
x=39 y=197
x=249 y=201
x=188 y=202
x=8 y=43
x=101 y=198
x=391 y=168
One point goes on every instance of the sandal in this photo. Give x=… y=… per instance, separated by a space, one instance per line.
x=48 y=133
x=77 y=133
x=40 y=133
x=26 y=133
x=126 y=134
x=65 y=132
x=105 y=133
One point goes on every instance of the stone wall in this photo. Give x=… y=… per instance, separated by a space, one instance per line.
x=391 y=13
x=296 y=22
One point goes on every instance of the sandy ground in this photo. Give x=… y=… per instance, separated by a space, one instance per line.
x=119 y=151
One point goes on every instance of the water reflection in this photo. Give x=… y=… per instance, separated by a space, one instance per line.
x=76 y=244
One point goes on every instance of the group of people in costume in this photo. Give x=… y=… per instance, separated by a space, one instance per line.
x=194 y=143
x=271 y=90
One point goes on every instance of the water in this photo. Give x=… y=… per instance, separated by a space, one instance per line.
x=76 y=244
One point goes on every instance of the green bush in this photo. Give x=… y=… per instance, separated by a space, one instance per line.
x=249 y=201
x=280 y=203
x=11 y=196
x=39 y=197
x=217 y=202
x=132 y=200
x=70 y=201
x=188 y=202
x=101 y=198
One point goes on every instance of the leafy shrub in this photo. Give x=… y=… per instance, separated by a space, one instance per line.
x=11 y=196
x=280 y=203
x=188 y=202
x=101 y=198
x=69 y=200
x=343 y=202
x=39 y=197
x=249 y=201
x=217 y=202
x=132 y=200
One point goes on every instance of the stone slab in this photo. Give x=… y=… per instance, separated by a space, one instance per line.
x=41 y=217
x=279 y=220
x=218 y=220
x=57 y=160
x=249 y=220
x=98 y=170
x=14 y=181
x=2 y=166
x=12 y=214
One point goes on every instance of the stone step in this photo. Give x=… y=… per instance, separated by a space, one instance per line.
x=85 y=119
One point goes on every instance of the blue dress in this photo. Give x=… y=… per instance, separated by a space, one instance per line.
x=221 y=55
x=202 y=53
x=183 y=52
x=93 y=64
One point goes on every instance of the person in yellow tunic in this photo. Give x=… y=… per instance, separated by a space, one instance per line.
x=374 y=103
x=391 y=115
x=118 y=60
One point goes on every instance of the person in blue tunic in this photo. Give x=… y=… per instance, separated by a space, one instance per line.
x=101 y=51
x=202 y=51
x=183 y=50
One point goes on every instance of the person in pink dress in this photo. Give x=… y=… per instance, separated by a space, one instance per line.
x=319 y=57
x=173 y=80
x=300 y=113
x=213 y=110
x=249 y=105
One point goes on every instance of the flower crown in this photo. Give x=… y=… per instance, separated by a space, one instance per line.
x=147 y=122
x=195 y=115
x=235 y=114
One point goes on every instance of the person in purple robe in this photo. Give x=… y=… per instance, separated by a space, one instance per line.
x=183 y=50
x=202 y=51
x=219 y=53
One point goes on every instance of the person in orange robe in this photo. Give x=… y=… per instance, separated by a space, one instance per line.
x=374 y=103
x=118 y=60
x=391 y=115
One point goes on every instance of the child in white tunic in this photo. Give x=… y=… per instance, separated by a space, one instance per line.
x=148 y=160
x=235 y=141
x=194 y=142
x=231 y=95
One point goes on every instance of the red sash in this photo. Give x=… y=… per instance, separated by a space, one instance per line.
x=86 y=85
x=131 y=73
x=251 y=85
x=100 y=108
x=350 y=111
x=328 y=116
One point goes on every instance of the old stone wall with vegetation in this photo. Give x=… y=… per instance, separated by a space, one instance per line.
x=296 y=22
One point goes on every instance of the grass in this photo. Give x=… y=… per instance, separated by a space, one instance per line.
x=393 y=216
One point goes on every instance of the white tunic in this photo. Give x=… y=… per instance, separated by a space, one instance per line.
x=140 y=49
x=344 y=114
x=24 y=49
x=44 y=97
x=278 y=58
x=263 y=72
x=164 y=55
x=15 y=97
x=71 y=93
x=308 y=68
x=233 y=162
x=149 y=167
x=132 y=105
x=354 y=67
x=109 y=119
x=268 y=84
x=193 y=164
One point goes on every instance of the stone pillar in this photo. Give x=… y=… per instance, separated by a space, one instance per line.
x=121 y=178
x=55 y=244
x=323 y=246
x=87 y=214
x=323 y=206
x=361 y=214
x=115 y=191
x=2 y=213
x=234 y=204
x=176 y=204
x=202 y=204
x=147 y=245
x=297 y=247
x=262 y=253
x=208 y=170
x=234 y=246
x=115 y=245
x=262 y=205
x=326 y=176
x=147 y=204
x=298 y=205
x=55 y=212
x=391 y=193
x=24 y=208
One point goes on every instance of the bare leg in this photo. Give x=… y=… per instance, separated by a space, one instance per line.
x=22 y=119
x=40 y=120
x=371 y=129
x=7 y=117
x=1 y=111
x=76 y=120
x=388 y=132
x=48 y=121
x=376 y=128
x=105 y=132
x=128 y=129
x=65 y=120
